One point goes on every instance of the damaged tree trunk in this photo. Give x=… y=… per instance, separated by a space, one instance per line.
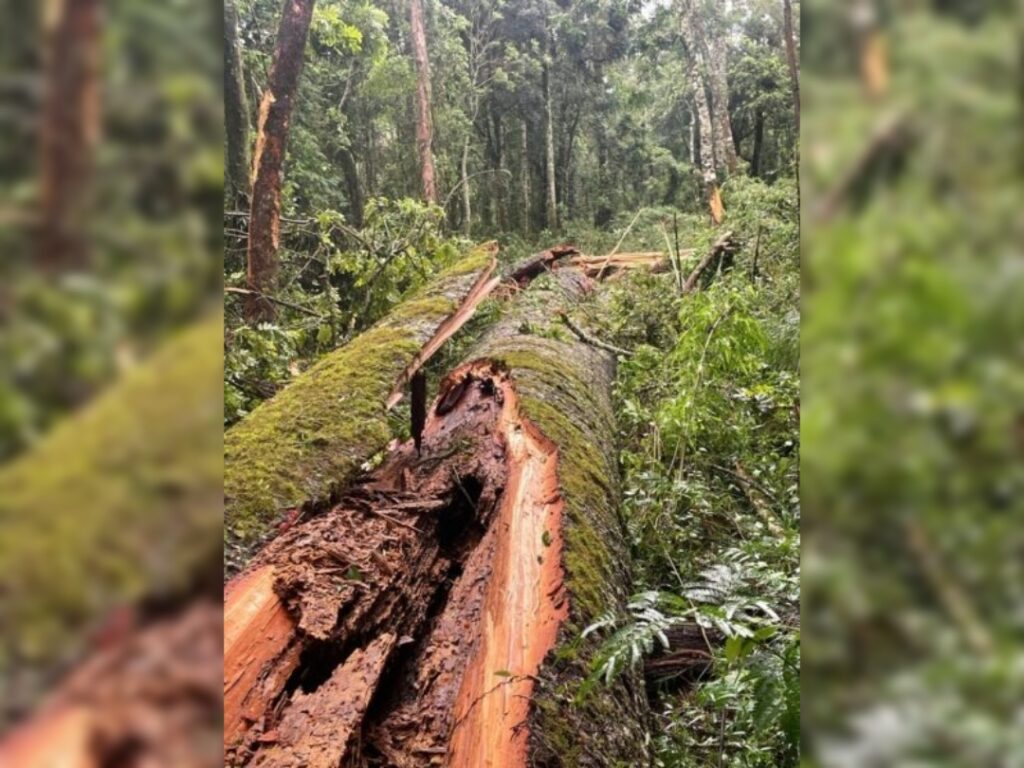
x=291 y=453
x=417 y=622
x=268 y=158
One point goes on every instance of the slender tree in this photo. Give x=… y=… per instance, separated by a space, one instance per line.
x=424 y=124
x=268 y=162
x=549 y=152
x=794 y=72
x=237 y=166
x=524 y=174
x=69 y=131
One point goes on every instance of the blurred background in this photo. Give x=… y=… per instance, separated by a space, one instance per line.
x=913 y=376
x=111 y=133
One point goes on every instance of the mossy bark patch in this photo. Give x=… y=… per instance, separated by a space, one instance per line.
x=120 y=502
x=309 y=441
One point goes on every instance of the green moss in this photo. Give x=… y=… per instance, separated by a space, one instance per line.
x=312 y=438
x=119 y=501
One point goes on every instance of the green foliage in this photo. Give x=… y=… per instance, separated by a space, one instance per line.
x=707 y=409
x=340 y=284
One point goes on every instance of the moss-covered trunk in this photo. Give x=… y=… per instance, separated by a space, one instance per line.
x=433 y=615
x=292 y=452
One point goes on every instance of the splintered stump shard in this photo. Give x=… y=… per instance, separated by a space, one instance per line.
x=416 y=622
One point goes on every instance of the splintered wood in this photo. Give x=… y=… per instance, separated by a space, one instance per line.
x=405 y=627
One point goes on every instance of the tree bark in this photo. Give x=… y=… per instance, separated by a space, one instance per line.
x=442 y=586
x=718 y=80
x=424 y=122
x=549 y=153
x=268 y=161
x=791 y=59
x=69 y=131
x=238 y=164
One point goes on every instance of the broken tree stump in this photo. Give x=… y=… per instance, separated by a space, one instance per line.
x=425 y=608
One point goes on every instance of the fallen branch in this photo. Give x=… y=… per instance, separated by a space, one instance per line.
x=722 y=244
x=275 y=300
x=586 y=338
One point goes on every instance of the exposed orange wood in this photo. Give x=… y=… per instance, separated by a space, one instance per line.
x=58 y=738
x=257 y=630
x=524 y=607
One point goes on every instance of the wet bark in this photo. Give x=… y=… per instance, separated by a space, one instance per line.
x=414 y=623
x=237 y=161
x=69 y=131
x=140 y=471
x=424 y=123
x=268 y=159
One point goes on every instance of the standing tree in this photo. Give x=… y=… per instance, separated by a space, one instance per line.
x=69 y=130
x=424 y=125
x=708 y=154
x=236 y=112
x=794 y=72
x=268 y=163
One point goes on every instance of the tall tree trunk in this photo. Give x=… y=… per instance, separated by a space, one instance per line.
x=69 y=131
x=268 y=161
x=352 y=187
x=717 y=66
x=794 y=72
x=237 y=166
x=424 y=123
x=755 y=156
x=549 y=153
x=467 y=197
x=524 y=175
x=500 y=175
x=702 y=108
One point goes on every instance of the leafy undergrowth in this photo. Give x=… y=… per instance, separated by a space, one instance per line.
x=708 y=406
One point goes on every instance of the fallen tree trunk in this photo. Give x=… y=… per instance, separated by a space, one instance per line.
x=432 y=616
x=295 y=450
